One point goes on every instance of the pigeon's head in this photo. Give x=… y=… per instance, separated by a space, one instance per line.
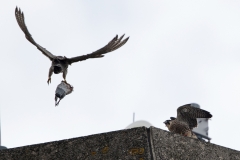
x=57 y=101
x=60 y=94
x=60 y=97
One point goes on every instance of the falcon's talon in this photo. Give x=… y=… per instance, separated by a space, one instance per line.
x=49 y=81
x=65 y=81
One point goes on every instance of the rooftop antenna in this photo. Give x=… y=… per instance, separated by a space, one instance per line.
x=133 y=116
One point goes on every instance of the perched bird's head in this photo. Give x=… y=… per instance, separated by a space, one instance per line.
x=167 y=123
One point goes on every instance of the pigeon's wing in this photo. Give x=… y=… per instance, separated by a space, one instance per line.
x=21 y=22
x=114 y=44
x=189 y=114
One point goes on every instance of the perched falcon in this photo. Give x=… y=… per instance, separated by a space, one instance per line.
x=186 y=120
x=60 y=63
x=180 y=128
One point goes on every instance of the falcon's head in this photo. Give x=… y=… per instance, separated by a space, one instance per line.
x=58 y=64
x=57 y=68
x=167 y=123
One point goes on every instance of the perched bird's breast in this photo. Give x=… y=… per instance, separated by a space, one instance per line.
x=178 y=127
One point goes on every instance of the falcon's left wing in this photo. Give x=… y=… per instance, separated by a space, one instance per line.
x=114 y=44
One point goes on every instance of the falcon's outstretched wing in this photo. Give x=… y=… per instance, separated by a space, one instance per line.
x=188 y=114
x=21 y=22
x=114 y=44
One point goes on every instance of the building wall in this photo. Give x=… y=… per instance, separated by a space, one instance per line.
x=169 y=146
x=131 y=144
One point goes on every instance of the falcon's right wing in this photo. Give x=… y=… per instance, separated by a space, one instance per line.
x=21 y=22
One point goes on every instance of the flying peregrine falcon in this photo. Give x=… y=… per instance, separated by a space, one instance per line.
x=60 y=63
x=186 y=120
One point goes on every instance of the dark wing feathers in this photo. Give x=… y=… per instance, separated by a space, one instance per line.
x=192 y=122
x=114 y=44
x=118 y=43
x=193 y=112
x=188 y=114
x=21 y=22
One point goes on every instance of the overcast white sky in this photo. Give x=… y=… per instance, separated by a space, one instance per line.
x=178 y=52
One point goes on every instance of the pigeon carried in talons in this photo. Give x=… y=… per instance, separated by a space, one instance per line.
x=62 y=90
